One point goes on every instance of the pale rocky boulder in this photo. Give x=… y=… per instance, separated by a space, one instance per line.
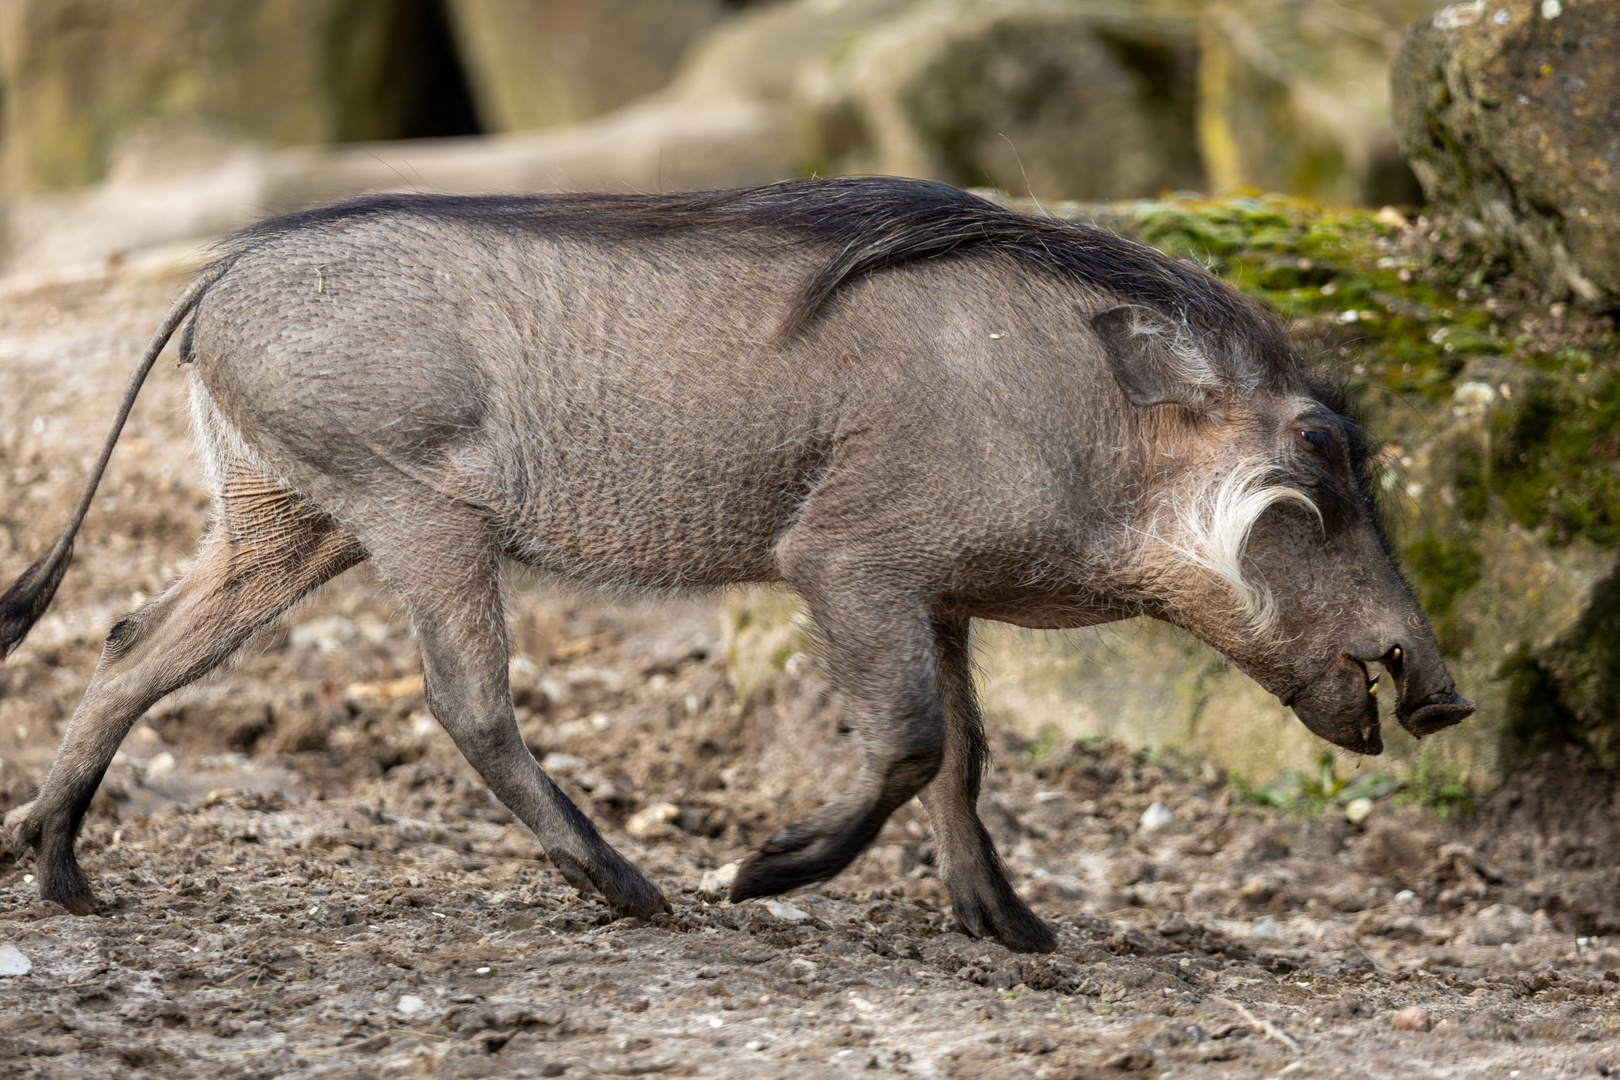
x=1294 y=97
x=542 y=63
x=80 y=75
x=183 y=188
x=1510 y=116
x=1058 y=100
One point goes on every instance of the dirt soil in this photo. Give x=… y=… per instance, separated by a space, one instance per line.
x=302 y=877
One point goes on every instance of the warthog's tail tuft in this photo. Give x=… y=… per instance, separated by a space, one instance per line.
x=29 y=596
x=26 y=600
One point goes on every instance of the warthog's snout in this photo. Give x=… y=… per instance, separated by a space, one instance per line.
x=1341 y=702
x=1439 y=710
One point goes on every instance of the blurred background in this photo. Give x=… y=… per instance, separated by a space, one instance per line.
x=258 y=106
x=1426 y=193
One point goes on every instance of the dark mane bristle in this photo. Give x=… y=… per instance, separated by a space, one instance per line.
x=865 y=224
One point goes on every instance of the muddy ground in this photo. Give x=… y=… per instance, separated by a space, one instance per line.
x=303 y=878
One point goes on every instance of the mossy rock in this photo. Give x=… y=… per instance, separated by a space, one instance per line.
x=1506 y=113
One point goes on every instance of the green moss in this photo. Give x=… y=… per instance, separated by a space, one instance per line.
x=1472 y=487
x=1445 y=567
x=1551 y=463
x=1537 y=719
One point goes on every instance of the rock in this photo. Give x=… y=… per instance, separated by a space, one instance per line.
x=719 y=880
x=409 y=1004
x=1155 y=817
x=1266 y=928
x=784 y=911
x=654 y=822
x=1415 y=1018
x=1584 y=667
x=1507 y=114
x=80 y=75
x=1064 y=101
x=1293 y=97
x=539 y=63
x=13 y=962
x=1357 y=811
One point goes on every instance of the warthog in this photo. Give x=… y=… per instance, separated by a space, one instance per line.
x=912 y=406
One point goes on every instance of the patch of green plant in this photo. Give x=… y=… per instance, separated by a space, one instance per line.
x=1436 y=788
x=1042 y=747
x=1307 y=794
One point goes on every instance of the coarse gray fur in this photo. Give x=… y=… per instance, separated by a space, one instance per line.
x=911 y=406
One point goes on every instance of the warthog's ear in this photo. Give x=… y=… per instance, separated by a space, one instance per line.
x=1154 y=360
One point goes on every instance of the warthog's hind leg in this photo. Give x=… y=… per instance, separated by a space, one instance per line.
x=974 y=878
x=268 y=551
x=447 y=570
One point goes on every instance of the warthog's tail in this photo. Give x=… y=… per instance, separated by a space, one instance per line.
x=26 y=600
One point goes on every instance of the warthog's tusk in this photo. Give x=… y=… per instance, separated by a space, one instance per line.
x=1372 y=686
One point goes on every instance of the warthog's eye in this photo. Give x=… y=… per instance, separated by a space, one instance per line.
x=1315 y=440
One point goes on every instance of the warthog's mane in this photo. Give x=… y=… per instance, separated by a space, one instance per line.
x=863 y=224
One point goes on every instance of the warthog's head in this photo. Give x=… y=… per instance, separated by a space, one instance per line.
x=1258 y=532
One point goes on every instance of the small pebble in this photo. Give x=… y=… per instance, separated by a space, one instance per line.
x=785 y=912
x=1414 y=1019
x=1266 y=928
x=1156 y=817
x=410 y=1003
x=13 y=962
x=1358 y=810
x=653 y=822
x=715 y=881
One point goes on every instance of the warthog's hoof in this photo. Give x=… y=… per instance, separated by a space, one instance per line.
x=78 y=901
x=1007 y=919
x=629 y=892
x=797 y=856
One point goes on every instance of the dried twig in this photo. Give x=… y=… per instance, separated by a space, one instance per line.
x=1266 y=1027
x=260 y=968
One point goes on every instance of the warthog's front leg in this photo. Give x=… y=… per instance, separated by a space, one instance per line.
x=877 y=645
x=447 y=570
x=981 y=897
